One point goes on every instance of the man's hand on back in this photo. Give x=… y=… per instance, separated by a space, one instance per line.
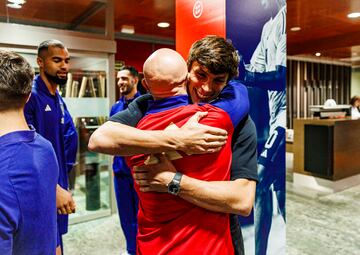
x=196 y=138
x=155 y=177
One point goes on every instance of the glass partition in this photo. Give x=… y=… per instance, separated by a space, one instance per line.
x=86 y=99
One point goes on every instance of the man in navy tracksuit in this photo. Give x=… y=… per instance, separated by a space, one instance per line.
x=28 y=188
x=126 y=197
x=47 y=112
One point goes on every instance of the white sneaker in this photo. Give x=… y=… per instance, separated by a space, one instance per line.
x=124 y=253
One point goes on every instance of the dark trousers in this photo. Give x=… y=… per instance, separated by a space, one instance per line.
x=127 y=203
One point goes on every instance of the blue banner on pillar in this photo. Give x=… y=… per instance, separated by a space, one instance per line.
x=257 y=28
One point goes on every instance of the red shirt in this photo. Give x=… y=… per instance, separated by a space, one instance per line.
x=170 y=225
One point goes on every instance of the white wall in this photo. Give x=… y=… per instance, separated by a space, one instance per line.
x=355 y=82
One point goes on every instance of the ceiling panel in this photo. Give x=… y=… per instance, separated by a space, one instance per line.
x=143 y=15
x=53 y=11
x=324 y=24
x=325 y=28
x=68 y=14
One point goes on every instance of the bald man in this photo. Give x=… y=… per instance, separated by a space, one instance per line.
x=169 y=224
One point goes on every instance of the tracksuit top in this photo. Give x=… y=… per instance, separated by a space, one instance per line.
x=119 y=164
x=28 y=178
x=50 y=118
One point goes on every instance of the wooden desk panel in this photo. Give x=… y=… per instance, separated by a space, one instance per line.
x=346 y=146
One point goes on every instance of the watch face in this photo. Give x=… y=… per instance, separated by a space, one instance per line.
x=173 y=189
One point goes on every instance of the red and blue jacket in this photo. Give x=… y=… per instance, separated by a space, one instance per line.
x=169 y=224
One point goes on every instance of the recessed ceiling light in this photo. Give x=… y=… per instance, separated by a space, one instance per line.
x=127 y=29
x=295 y=29
x=163 y=24
x=17 y=1
x=353 y=15
x=14 y=6
x=318 y=54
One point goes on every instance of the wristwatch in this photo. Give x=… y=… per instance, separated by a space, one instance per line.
x=174 y=185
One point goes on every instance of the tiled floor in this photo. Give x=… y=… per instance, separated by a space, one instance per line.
x=98 y=237
x=316 y=224
x=322 y=224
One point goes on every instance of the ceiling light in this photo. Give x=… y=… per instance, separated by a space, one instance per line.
x=163 y=24
x=295 y=29
x=127 y=29
x=14 y=6
x=318 y=54
x=17 y=1
x=353 y=15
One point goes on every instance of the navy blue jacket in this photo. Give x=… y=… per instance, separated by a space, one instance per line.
x=119 y=165
x=50 y=117
x=28 y=178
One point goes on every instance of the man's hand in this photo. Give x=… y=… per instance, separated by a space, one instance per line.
x=155 y=177
x=64 y=201
x=196 y=138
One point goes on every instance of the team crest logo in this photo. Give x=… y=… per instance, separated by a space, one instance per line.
x=198 y=9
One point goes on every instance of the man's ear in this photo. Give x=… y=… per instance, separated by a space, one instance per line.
x=187 y=79
x=136 y=80
x=144 y=84
x=40 y=62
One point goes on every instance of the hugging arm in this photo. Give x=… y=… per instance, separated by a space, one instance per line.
x=219 y=196
x=235 y=196
x=119 y=137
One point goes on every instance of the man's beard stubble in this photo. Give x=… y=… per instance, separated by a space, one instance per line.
x=55 y=79
x=128 y=90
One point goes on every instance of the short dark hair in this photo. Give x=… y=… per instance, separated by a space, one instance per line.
x=16 y=77
x=44 y=46
x=354 y=99
x=215 y=53
x=131 y=69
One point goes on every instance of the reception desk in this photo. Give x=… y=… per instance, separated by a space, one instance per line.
x=327 y=148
